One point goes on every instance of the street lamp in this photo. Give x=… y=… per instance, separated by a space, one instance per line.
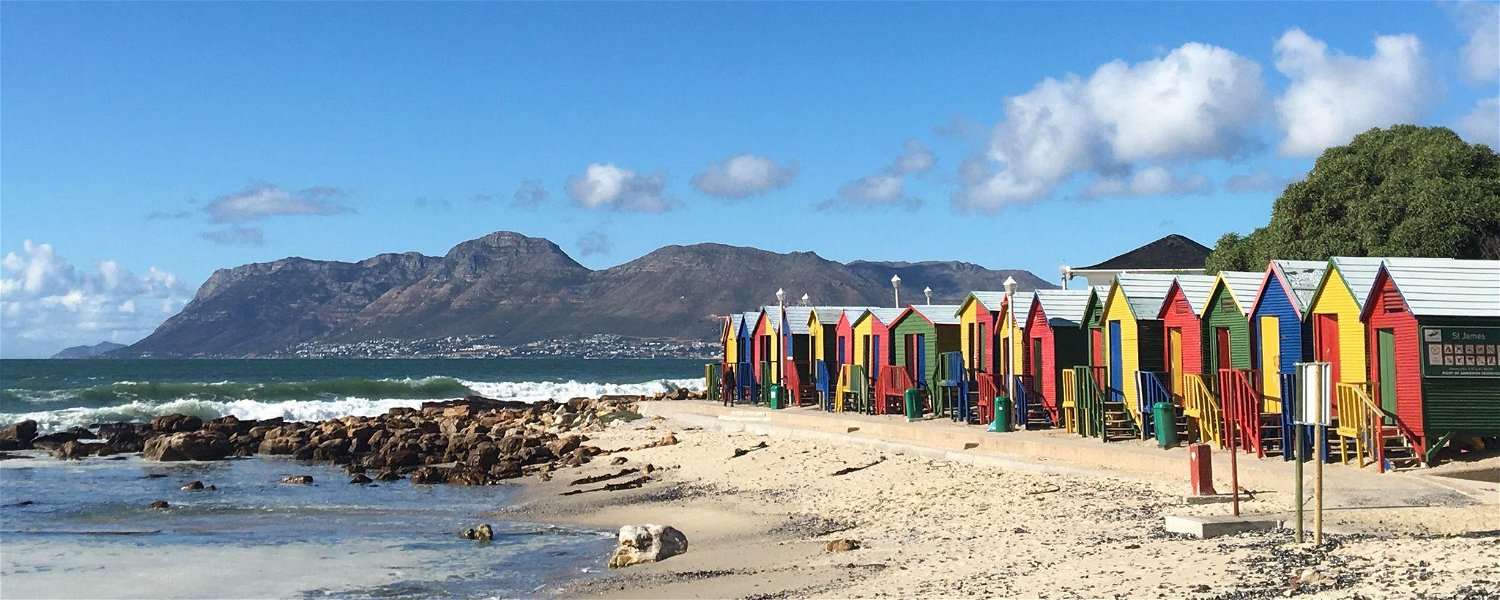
x=806 y=300
x=1010 y=323
x=780 y=297
x=928 y=292
x=896 y=285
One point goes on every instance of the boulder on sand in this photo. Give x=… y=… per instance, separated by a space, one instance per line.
x=194 y=445
x=647 y=543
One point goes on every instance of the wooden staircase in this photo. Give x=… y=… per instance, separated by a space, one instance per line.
x=1030 y=413
x=1117 y=424
x=1360 y=420
x=1245 y=411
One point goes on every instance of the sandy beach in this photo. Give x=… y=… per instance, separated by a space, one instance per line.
x=1004 y=526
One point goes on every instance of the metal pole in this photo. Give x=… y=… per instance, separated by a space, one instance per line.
x=1318 y=483
x=1300 y=455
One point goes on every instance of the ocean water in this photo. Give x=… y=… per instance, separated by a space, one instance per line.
x=82 y=528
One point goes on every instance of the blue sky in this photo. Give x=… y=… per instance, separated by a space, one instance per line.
x=142 y=146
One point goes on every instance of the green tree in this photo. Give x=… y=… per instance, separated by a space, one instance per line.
x=1402 y=191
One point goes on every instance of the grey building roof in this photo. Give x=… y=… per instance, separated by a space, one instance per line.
x=885 y=315
x=938 y=314
x=1195 y=289
x=1062 y=307
x=1023 y=308
x=1446 y=287
x=797 y=319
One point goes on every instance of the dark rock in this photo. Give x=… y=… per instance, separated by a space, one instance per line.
x=193 y=486
x=53 y=441
x=195 y=445
x=360 y=478
x=159 y=504
x=298 y=479
x=18 y=436
x=176 y=423
x=507 y=469
x=466 y=475
x=74 y=450
x=618 y=460
x=388 y=476
x=82 y=433
x=126 y=437
x=843 y=545
x=426 y=475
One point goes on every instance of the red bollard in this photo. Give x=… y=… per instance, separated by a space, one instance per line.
x=1201 y=469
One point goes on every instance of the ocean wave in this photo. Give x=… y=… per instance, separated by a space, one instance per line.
x=124 y=392
x=328 y=408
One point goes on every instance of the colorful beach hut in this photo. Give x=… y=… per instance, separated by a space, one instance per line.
x=1434 y=351
x=920 y=334
x=1183 y=331
x=1133 y=336
x=977 y=316
x=872 y=343
x=1281 y=335
x=828 y=338
x=745 y=376
x=798 y=375
x=769 y=347
x=1055 y=343
x=1228 y=350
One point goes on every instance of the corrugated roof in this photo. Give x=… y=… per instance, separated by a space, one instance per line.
x=1023 y=308
x=829 y=315
x=797 y=317
x=1440 y=287
x=939 y=314
x=1195 y=289
x=1359 y=273
x=884 y=315
x=735 y=321
x=1302 y=276
x=1063 y=307
x=990 y=300
x=1145 y=292
x=1244 y=286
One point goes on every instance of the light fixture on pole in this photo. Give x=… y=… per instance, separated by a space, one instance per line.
x=1010 y=323
x=780 y=297
x=928 y=292
x=806 y=300
x=896 y=285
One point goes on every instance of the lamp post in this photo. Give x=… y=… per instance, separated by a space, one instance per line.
x=928 y=292
x=896 y=285
x=806 y=300
x=781 y=348
x=1010 y=324
x=780 y=297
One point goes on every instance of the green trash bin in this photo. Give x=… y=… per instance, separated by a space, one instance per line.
x=1002 y=415
x=776 y=395
x=913 y=404
x=1165 y=416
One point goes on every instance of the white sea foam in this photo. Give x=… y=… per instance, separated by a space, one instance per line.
x=317 y=410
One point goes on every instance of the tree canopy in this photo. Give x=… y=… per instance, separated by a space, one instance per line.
x=1402 y=191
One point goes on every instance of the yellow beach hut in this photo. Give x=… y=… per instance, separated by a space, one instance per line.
x=1133 y=338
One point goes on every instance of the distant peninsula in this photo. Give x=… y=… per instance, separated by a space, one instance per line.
x=93 y=351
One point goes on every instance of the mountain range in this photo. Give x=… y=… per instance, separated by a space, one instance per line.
x=518 y=289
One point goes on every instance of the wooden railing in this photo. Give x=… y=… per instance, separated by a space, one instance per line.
x=1239 y=394
x=1068 y=407
x=1089 y=399
x=891 y=387
x=1200 y=404
x=823 y=384
x=1023 y=389
x=985 y=384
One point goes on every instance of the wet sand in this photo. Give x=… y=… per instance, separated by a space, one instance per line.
x=759 y=524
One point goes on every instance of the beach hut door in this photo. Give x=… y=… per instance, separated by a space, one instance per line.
x=1326 y=329
x=1270 y=356
x=1385 y=343
x=1116 y=360
x=1221 y=345
x=919 y=348
x=1174 y=355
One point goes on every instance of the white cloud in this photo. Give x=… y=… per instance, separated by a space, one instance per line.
x=1258 y=181
x=743 y=176
x=1334 y=96
x=531 y=194
x=46 y=304
x=1481 y=54
x=1152 y=181
x=263 y=200
x=1482 y=125
x=592 y=243
x=606 y=186
x=1198 y=101
x=887 y=187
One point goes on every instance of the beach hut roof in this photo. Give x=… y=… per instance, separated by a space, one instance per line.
x=990 y=300
x=1445 y=287
x=1023 y=308
x=1244 y=286
x=937 y=314
x=1358 y=272
x=884 y=315
x=1144 y=292
x=797 y=319
x=735 y=321
x=1301 y=279
x=1195 y=289
x=1063 y=307
x=830 y=314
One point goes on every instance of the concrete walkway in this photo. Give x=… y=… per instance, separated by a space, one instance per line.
x=1056 y=451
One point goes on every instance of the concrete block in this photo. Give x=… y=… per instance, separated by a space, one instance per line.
x=1208 y=527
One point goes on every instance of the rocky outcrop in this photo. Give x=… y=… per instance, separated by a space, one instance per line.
x=646 y=544
x=18 y=436
x=191 y=445
x=521 y=289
